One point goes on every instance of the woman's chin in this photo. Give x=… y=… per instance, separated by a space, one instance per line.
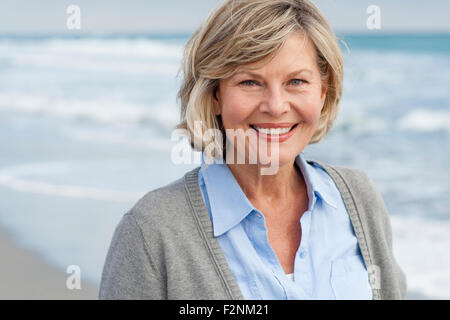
x=265 y=158
x=279 y=160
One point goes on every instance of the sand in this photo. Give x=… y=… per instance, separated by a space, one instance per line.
x=24 y=275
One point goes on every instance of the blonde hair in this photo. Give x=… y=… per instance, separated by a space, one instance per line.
x=240 y=32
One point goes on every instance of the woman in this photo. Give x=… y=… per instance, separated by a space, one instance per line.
x=268 y=73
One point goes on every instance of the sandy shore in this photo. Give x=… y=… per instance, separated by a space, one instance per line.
x=23 y=275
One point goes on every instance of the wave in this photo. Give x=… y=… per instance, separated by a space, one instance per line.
x=12 y=178
x=141 y=56
x=95 y=47
x=162 y=114
x=421 y=249
x=425 y=120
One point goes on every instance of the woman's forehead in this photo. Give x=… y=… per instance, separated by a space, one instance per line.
x=296 y=48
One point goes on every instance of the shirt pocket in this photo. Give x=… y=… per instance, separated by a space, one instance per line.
x=350 y=279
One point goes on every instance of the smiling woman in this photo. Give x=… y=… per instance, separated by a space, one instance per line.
x=271 y=70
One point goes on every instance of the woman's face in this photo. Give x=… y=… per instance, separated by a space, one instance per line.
x=281 y=101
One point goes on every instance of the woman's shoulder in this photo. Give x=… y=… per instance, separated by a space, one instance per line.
x=353 y=183
x=362 y=196
x=167 y=202
x=344 y=171
x=352 y=177
x=357 y=187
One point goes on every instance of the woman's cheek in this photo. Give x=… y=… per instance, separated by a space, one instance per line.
x=314 y=107
x=238 y=112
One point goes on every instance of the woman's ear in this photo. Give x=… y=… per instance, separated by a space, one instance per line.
x=215 y=92
x=324 y=91
x=216 y=104
x=324 y=87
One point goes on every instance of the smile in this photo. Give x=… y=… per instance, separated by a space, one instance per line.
x=275 y=131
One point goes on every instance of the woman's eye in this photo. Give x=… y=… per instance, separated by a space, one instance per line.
x=251 y=83
x=248 y=82
x=297 y=81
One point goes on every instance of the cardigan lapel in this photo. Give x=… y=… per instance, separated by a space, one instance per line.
x=354 y=213
x=203 y=221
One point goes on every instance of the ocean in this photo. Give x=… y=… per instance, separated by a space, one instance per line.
x=86 y=123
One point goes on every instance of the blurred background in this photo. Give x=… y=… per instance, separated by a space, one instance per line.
x=86 y=117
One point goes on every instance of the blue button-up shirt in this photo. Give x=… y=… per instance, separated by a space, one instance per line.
x=328 y=263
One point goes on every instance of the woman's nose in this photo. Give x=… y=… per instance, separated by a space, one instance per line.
x=274 y=102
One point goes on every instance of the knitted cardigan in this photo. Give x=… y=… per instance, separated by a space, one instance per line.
x=164 y=247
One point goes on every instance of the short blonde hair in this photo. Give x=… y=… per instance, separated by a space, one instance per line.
x=239 y=32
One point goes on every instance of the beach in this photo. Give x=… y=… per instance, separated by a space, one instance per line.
x=24 y=275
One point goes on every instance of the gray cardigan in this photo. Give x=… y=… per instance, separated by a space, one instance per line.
x=164 y=248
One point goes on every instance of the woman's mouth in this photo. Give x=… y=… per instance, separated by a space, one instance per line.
x=275 y=131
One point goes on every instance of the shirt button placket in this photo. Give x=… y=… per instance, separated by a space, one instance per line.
x=302 y=261
x=303 y=254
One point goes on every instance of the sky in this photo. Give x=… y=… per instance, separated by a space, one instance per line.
x=184 y=16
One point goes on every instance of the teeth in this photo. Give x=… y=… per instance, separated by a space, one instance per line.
x=273 y=131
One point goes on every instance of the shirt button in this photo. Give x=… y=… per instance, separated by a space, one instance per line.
x=303 y=254
x=258 y=215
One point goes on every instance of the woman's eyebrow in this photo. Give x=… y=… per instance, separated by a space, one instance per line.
x=243 y=71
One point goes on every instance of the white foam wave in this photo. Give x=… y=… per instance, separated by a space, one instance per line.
x=116 y=47
x=356 y=121
x=141 y=56
x=162 y=113
x=421 y=249
x=425 y=120
x=12 y=178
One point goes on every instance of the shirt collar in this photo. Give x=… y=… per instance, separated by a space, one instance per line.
x=229 y=204
x=318 y=182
